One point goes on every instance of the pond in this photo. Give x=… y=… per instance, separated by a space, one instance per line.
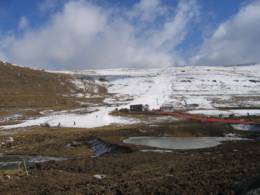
x=13 y=161
x=246 y=127
x=180 y=143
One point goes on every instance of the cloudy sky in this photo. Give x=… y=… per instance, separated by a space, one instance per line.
x=80 y=34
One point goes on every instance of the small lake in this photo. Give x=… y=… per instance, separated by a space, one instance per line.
x=13 y=161
x=246 y=127
x=180 y=143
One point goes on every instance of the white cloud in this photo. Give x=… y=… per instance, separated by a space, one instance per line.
x=147 y=10
x=175 y=29
x=235 y=41
x=49 y=6
x=4 y=46
x=85 y=35
x=23 y=23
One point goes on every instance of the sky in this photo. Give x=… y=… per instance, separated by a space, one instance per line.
x=81 y=34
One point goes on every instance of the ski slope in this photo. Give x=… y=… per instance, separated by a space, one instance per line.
x=208 y=87
x=214 y=91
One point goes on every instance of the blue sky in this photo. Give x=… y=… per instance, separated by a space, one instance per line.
x=11 y=11
x=168 y=32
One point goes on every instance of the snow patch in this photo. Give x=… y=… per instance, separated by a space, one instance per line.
x=95 y=119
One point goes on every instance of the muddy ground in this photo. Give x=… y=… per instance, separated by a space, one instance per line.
x=227 y=169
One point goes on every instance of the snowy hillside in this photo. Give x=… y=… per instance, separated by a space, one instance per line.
x=205 y=90
x=208 y=87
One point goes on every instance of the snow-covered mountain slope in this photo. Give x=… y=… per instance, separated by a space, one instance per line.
x=208 y=87
x=206 y=90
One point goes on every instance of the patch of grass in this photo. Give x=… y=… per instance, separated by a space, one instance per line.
x=24 y=88
x=53 y=141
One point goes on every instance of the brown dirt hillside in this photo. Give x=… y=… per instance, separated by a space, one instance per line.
x=19 y=80
x=27 y=88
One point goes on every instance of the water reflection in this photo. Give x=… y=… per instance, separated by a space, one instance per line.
x=13 y=161
x=180 y=143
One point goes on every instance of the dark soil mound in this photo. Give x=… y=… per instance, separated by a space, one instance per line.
x=250 y=185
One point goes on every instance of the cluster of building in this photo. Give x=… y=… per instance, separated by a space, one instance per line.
x=164 y=107
x=139 y=108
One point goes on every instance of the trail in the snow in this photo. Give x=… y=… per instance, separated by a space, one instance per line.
x=208 y=88
x=89 y=120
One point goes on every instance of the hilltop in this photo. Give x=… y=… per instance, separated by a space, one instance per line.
x=20 y=80
x=25 y=88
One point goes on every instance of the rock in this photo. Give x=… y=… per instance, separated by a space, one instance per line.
x=100 y=147
x=47 y=125
x=7 y=177
x=99 y=176
x=74 y=144
x=9 y=140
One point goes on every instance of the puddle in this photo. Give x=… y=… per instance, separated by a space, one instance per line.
x=13 y=161
x=249 y=185
x=157 y=151
x=180 y=143
x=100 y=148
x=246 y=127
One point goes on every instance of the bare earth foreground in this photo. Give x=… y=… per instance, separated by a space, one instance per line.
x=230 y=168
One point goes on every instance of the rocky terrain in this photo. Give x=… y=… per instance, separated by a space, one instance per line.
x=65 y=117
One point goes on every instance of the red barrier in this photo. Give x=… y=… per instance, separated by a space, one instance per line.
x=203 y=118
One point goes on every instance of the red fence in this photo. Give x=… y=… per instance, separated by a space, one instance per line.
x=203 y=118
